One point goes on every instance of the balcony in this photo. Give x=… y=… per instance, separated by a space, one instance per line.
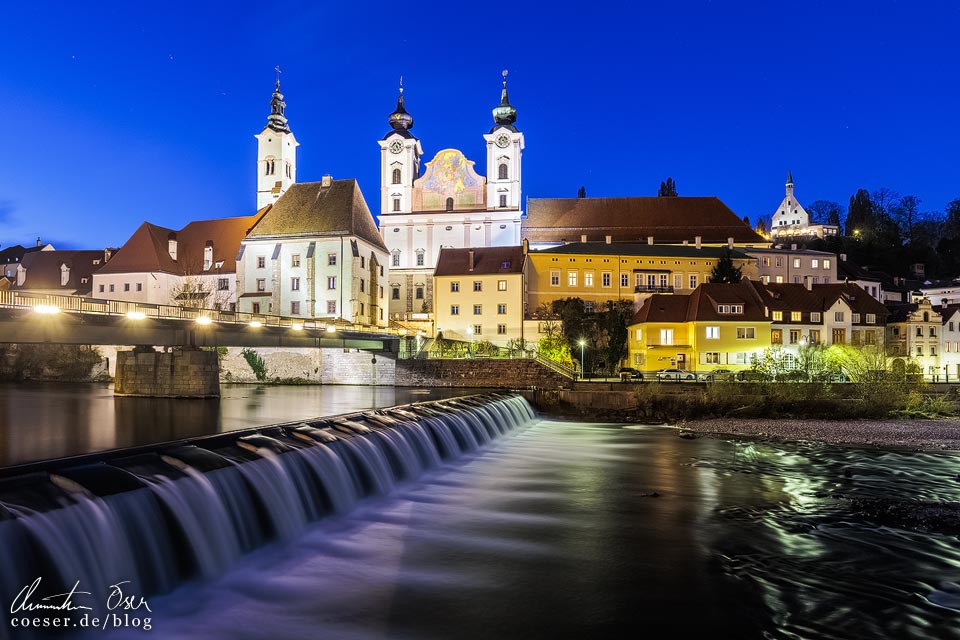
x=646 y=289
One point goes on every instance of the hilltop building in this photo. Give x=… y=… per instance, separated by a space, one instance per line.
x=791 y=219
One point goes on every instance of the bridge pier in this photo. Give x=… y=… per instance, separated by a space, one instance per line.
x=186 y=373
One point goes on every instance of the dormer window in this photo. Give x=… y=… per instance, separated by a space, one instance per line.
x=208 y=256
x=64 y=275
x=729 y=308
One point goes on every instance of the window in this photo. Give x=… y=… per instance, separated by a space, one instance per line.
x=395 y=293
x=794 y=336
x=826 y=279
x=256 y=307
x=396 y=206
x=639 y=335
x=295 y=260
x=454 y=287
x=779 y=279
x=363 y=262
x=855 y=318
x=814 y=336
x=295 y=308
x=502 y=171
x=815 y=316
x=838 y=316
x=223 y=284
x=449 y=204
x=624 y=279
x=126 y=286
x=294 y=284
x=501 y=309
x=554 y=278
x=454 y=309
x=572 y=278
x=746 y=333
x=363 y=285
x=712 y=357
x=869 y=337
x=796 y=316
x=933 y=332
x=766 y=261
x=588 y=279
x=501 y=285
x=101 y=291
x=418 y=294
x=678 y=281
x=919 y=350
x=477 y=329
x=796 y=263
x=261 y=262
x=503 y=200
x=693 y=281
x=933 y=350
x=713 y=333
x=779 y=262
x=396 y=176
x=816 y=279
x=778 y=316
x=420 y=258
x=776 y=336
x=666 y=336
x=814 y=264
x=505 y=264
x=477 y=285
x=949 y=324
x=477 y=309
x=605 y=279
x=332 y=259
x=395 y=259
x=261 y=284
x=331 y=282
x=331 y=306
x=826 y=264
x=872 y=319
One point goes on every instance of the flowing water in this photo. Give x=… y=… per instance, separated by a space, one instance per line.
x=484 y=522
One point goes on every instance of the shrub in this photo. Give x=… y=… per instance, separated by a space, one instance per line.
x=256 y=363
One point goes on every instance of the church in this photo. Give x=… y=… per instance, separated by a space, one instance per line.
x=449 y=206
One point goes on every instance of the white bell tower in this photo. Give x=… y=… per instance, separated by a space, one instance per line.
x=504 y=153
x=400 y=153
x=276 y=153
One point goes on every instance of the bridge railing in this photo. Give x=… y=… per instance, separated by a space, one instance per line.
x=97 y=306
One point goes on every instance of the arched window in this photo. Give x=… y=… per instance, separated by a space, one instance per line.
x=926 y=317
x=396 y=176
x=449 y=204
x=503 y=171
x=395 y=259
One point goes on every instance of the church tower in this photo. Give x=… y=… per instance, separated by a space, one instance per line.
x=504 y=151
x=276 y=153
x=400 y=153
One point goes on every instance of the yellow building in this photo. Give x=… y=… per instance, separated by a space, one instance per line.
x=602 y=271
x=478 y=294
x=717 y=326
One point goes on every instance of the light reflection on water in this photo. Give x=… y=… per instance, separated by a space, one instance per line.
x=42 y=421
x=553 y=532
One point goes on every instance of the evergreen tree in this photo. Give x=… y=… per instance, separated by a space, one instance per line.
x=761 y=226
x=860 y=216
x=833 y=217
x=746 y=220
x=582 y=192
x=668 y=189
x=724 y=271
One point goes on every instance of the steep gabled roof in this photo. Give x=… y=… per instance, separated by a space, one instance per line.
x=486 y=261
x=642 y=249
x=668 y=219
x=820 y=297
x=44 y=269
x=310 y=209
x=702 y=305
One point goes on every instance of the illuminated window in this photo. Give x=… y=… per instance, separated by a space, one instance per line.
x=712 y=357
x=713 y=333
x=776 y=336
x=666 y=336
x=501 y=285
x=588 y=279
x=331 y=282
x=778 y=316
x=294 y=284
x=814 y=263
x=746 y=333
x=795 y=316
x=295 y=260
x=572 y=278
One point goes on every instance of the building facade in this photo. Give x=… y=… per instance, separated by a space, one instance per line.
x=449 y=206
x=276 y=154
x=913 y=334
x=792 y=220
x=790 y=265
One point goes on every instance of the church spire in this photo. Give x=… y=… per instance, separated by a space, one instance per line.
x=789 y=177
x=400 y=120
x=505 y=114
x=276 y=120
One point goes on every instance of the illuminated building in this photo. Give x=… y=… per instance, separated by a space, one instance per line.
x=791 y=219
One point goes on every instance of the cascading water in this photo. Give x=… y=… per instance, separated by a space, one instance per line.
x=186 y=511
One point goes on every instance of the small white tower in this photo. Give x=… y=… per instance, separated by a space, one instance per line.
x=400 y=153
x=504 y=151
x=276 y=153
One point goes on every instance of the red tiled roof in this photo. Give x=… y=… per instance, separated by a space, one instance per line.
x=702 y=305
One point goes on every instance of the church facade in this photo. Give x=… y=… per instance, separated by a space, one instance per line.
x=792 y=220
x=449 y=206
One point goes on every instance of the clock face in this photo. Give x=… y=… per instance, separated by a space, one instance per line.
x=503 y=141
x=396 y=146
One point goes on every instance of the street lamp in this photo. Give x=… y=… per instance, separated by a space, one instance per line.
x=582 y=344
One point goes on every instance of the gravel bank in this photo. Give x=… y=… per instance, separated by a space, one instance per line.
x=907 y=434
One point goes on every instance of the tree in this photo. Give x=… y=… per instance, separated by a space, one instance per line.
x=833 y=218
x=668 y=189
x=906 y=213
x=724 y=271
x=821 y=211
x=613 y=320
x=746 y=220
x=761 y=227
x=582 y=192
x=859 y=213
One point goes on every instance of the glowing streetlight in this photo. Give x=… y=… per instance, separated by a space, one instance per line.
x=256 y=324
x=582 y=344
x=203 y=320
x=331 y=328
x=296 y=326
x=136 y=315
x=47 y=309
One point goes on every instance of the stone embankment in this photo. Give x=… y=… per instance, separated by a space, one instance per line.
x=478 y=372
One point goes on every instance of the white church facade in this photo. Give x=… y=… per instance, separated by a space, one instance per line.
x=449 y=206
x=792 y=220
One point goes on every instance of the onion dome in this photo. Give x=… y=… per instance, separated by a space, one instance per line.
x=400 y=120
x=276 y=120
x=505 y=113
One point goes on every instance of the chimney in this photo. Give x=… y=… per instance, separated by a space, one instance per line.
x=326 y=181
x=583 y=237
x=650 y=240
x=107 y=254
x=843 y=257
x=730 y=244
x=38 y=242
x=793 y=247
x=609 y=239
x=526 y=246
x=471 y=259
x=697 y=240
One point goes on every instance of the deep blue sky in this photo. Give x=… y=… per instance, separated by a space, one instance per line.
x=122 y=112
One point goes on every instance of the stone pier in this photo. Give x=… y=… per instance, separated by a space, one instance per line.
x=177 y=374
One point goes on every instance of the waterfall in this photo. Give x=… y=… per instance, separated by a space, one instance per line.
x=186 y=511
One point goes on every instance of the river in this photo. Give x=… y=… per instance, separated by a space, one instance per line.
x=43 y=421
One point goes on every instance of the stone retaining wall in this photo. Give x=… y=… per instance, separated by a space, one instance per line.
x=478 y=372
x=177 y=374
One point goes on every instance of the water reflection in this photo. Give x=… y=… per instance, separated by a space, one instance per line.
x=42 y=421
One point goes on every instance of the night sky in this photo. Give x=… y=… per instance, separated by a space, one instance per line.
x=147 y=111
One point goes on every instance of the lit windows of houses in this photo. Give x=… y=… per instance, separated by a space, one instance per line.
x=746 y=333
x=571 y=278
x=588 y=279
x=294 y=284
x=778 y=316
x=331 y=282
x=796 y=316
x=501 y=285
x=713 y=333
x=666 y=337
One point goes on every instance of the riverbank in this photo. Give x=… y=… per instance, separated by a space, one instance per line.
x=936 y=435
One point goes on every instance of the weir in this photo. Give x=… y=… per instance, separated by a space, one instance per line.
x=160 y=515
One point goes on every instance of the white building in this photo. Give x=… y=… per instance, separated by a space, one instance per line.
x=450 y=205
x=791 y=219
x=790 y=265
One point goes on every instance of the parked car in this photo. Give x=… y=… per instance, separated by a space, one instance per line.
x=717 y=374
x=675 y=374
x=629 y=374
